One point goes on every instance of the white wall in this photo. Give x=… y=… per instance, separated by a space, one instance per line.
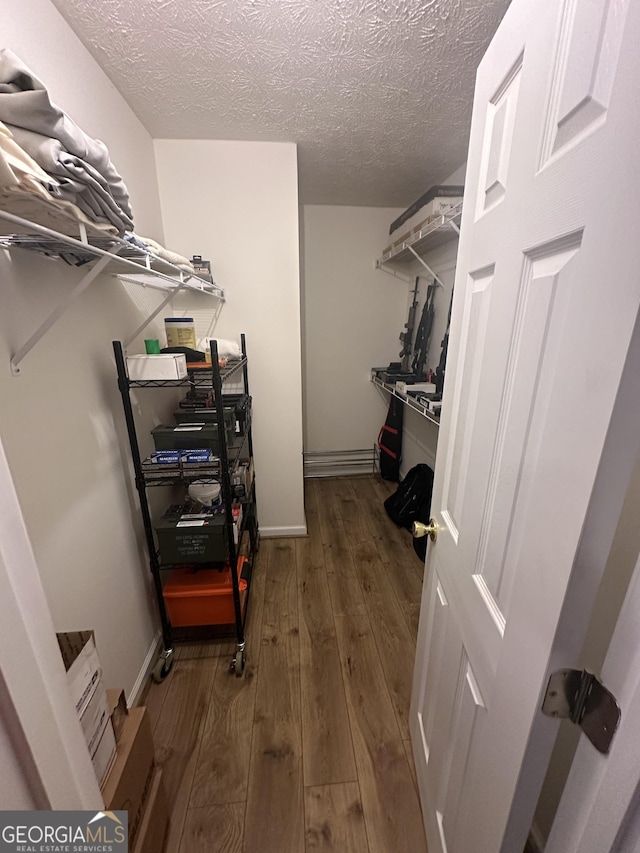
x=236 y=204
x=352 y=318
x=353 y=315
x=61 y=419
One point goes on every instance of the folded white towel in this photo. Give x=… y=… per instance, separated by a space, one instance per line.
x=167 y=255
x=226 y=348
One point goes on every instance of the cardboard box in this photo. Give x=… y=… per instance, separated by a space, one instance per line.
x=160 y=366
x=95 y=718
x=425 y=387
x=422 y=207
x=244 y=549
x=242 y=480
x=105 y=753
x=128 y=784
x=155 y=819
x=118 y=710
x=432 y=211
x=82 y=664
x=84 y=678
x=397 y=243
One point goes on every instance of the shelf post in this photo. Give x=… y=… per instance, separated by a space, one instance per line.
x=227 y=493
x=154 y=564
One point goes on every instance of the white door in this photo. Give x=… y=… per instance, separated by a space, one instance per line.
x=44 y=761
x=599 y=810
x=539 y=426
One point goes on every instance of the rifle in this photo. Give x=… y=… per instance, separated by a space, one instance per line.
x=423 y=335
x=440 y=369
x=406 y=337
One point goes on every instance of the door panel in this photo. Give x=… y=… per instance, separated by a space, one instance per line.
x=586 y=60
x=441 y=676
x=522 y=395
x=500 y=124
x=468 y=714
x=475 y=336
x=546 y=298
x=455 y=710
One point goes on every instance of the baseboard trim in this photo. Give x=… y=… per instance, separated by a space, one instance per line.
x=145 y=670
x=338 y=463
x=280 y=532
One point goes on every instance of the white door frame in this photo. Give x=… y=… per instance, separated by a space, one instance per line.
x=42 y=725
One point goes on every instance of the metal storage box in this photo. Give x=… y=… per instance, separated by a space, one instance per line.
x=207 y=415
x=192 y=538
x=191 y=436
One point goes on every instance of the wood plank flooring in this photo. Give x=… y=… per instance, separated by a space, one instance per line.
x=309 y=752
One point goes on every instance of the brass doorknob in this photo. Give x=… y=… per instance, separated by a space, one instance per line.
x=420 y=529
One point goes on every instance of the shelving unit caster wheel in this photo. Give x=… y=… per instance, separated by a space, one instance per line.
x=163 y=667
x=237 y=664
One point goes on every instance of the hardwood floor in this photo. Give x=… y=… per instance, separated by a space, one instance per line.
x=309 y=752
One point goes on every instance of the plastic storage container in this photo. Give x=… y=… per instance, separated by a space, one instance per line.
x=205 y=492
x=202 y=598
x=180 y=331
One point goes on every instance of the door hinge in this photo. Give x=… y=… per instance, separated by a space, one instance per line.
x=577 y=695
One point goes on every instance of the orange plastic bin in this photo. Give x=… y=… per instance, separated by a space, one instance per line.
x=203 y=597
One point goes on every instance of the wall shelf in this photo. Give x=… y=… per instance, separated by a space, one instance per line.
x=439 y=231
x=126 y=259
x=95 y=252
x=406 y=398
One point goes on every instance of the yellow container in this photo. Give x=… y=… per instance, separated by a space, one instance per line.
x=181 y=332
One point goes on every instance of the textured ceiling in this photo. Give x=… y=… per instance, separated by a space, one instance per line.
x=377 y=93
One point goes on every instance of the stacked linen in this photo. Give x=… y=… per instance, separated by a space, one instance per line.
x=26 y=190
x=79 y=168
x=159 y=251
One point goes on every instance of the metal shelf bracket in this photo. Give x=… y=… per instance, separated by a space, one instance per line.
x=138 y=268
x=395 y=273
x=426 y=266
x=55 y=315
x=153 y=314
